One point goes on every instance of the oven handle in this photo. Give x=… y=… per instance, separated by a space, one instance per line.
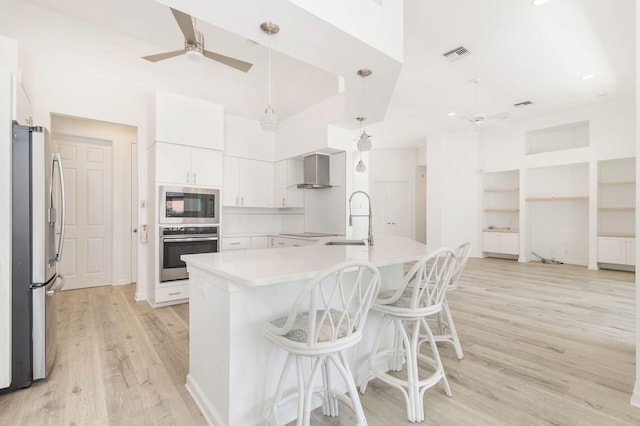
x=188 y=240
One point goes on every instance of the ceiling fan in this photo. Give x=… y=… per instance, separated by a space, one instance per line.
x=194 y=45
x=479 y=118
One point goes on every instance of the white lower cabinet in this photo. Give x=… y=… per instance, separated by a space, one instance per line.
x=500 y=242
x=171 y=293
x=617 y=250
x=245 y=243
x=279 y=242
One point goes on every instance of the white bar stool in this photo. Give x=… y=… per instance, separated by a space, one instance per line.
x=326 y=318
x=420 y=295
x=446 y=329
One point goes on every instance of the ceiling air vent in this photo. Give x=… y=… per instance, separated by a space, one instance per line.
x=523 y=104
x=457 y=53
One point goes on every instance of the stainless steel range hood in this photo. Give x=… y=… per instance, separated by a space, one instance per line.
x=316 y=172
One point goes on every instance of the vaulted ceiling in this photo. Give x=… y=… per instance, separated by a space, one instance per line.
x=518 y=52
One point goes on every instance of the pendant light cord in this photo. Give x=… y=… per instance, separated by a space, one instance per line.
x=269 y=73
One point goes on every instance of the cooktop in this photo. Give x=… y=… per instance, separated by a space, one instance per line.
x=308 y=234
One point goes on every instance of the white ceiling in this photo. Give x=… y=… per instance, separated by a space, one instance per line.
x=519 y=52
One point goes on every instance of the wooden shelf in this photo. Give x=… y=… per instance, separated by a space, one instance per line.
x=616 y=209
x=501 y=210
x=502 y=190
x=559 y=198
x=624 y=182
x=617 y=234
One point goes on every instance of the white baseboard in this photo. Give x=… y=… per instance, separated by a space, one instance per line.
x=635 y=396
x=209 y=412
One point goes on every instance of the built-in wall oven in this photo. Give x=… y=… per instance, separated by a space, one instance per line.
x=189 y=205
x=178 y=240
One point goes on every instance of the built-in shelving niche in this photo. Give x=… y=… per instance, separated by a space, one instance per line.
x=558 y=138
x=557 y=216
x=501 y=200
x=616 y=198
x=616 y=213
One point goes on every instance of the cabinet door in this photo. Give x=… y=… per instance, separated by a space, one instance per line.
x=280 y=183
x=230 y=193
x=509 y=243
x=287 y=174
x=491 y=242
x=235 y=243
x=256 y=183
x=259 y=242
x=612 y=250
x=631 y=251
x=173 y=163
x=294 y=196
x=206 y=167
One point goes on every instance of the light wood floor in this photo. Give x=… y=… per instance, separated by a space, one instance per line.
x=544 y=344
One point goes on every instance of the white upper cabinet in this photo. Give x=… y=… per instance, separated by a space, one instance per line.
x=187 y=121
x=286 y=175
x=247 y=183
x=188 y=165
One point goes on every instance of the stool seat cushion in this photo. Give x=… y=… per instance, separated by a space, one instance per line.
x=404 y=301
x=299 y=329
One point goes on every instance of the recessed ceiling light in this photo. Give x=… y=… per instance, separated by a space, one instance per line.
x=538 y=2
x=451 y=114
x=587 y=77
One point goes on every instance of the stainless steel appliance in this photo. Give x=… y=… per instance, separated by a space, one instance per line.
x=38 y=215
x=179 y=240
x=189 y=205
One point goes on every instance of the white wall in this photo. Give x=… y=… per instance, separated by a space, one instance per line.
x=244 y=138
x=635 y=398
x=325 y=208
x=6 y=106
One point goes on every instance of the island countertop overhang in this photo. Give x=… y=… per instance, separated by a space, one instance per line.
x=271 y=266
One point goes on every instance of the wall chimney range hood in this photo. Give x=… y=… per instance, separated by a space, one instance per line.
x=315 y=172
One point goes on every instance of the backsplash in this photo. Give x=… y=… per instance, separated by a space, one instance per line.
x=261 y=221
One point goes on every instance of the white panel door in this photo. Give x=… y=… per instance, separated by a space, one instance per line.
x=392 y=208
x=86 y=261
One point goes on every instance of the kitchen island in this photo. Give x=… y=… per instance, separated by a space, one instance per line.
x=233 y=368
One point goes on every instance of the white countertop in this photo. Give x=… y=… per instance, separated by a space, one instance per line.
x=269 y=266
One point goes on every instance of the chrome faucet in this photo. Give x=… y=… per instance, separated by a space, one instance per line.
x=370 y=216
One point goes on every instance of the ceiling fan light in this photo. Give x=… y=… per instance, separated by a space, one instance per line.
x=360 y=167
x=269 y=120
x=194 y=55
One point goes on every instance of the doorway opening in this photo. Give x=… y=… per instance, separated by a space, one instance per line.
x=100 y=165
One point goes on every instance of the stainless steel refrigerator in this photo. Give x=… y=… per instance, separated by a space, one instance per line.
x=38 y=215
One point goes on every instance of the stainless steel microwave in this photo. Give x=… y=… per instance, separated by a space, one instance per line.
x=189 y=205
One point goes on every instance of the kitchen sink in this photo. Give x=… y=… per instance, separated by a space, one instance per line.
x=346 y=243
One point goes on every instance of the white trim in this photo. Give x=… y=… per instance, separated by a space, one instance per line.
x=635 y=396
x=209 y=412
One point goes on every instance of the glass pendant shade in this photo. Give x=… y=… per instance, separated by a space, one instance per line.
x=269 y=120
x=364 y=143
x=360 y=167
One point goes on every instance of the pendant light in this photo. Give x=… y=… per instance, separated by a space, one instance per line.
x=360 y=167
x=269 y=120
x=364 y=143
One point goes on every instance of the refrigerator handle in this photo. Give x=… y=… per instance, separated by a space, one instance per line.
x=56 y=159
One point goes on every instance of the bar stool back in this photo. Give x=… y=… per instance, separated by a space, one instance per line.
x=420 y=295
x=327 y=317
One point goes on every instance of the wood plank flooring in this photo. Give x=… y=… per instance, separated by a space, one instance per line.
x=544 y=345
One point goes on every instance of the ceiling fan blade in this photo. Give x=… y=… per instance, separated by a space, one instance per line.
x=161 y=56
x=186 y=25
x=501 y=116
x=232 y=62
